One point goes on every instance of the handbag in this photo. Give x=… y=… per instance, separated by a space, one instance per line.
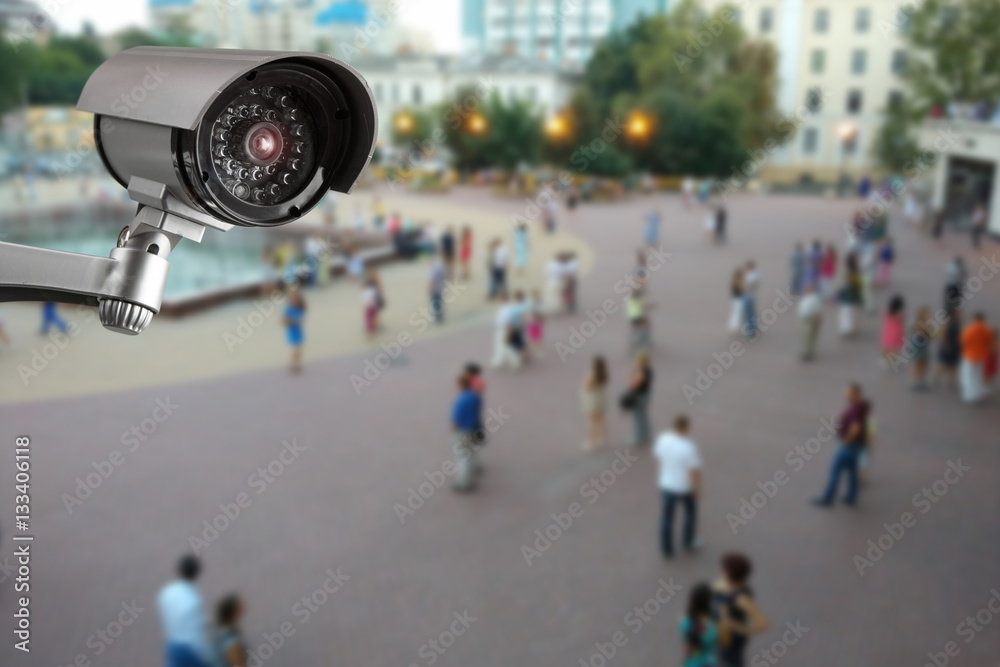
x=627 y=401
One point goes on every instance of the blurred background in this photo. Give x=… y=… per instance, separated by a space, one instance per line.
x=573 y=134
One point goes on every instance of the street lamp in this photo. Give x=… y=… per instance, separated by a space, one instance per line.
x=848 y=134
x=557 y=128
x=639 y=126
x=477 y=124
x=404 y=122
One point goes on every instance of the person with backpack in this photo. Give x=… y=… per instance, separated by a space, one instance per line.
x=702 y=633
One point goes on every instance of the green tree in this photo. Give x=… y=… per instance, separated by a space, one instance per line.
x=493 y=133
x=709 y=104
x=952 y=55
x=411 y=128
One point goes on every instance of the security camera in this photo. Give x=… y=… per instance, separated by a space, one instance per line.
x=202 y=138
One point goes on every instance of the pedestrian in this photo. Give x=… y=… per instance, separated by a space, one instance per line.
x=828 y=272
x=734 y=601
x=812 y=264
x=798 y=265
x=504 y=353
x=518 y=323
x=549 y=216
x=679 y=481
x=465 y=251
x=231 y=650
x=370 y=302
x=50 y=318
x=378 y=209
x=954 y=283
x=498 y=269
x=977 y=345
x=448 y=251
x=294 y=319
x=640 y=334
x=886 y=257
x=810 y=312
x=636 y=398
x=751 y=280
x=702 y=632
x=554 y=278
x=182 y=615
x=720 y=224
x=355 y=263
x=521 y=247
x=652 y=231
x=852 y=434
x=978 y=222
x=868 y=265
x=465 y=422
x=921 y=335
x=736 y=303
x=893 y=329
x=949 y=348
x=593 y=402
x=687 y=191
x=535 y=328
x=937 y=226
x=850 y=297
x=439 y=277
x=570 y=272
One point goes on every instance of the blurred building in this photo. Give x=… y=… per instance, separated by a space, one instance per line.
x=58 y=129
x=839 y=70
x=343 y=28
x=965 y=173
x=560 y=31
x=22 y=20
x=425 y=82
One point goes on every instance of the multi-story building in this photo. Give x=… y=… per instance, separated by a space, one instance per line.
x=561 y=31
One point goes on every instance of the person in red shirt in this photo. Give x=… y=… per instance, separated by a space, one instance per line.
x=977 y=345
x=852 y=432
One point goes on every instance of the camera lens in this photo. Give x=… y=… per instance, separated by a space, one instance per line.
x=255 y=132
x=263 y=144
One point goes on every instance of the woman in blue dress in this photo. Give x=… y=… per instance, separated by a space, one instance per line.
x=521 y=247
x=295 y=313
x=702 y=634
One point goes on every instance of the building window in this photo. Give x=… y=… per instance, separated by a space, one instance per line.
x=418 y=96
x=903 y=19
x=862 y=19
x=766 y=19
x=817 y=61
x=859 y=61
x=821 y=20
x=895 y=100
x=854 y=98
x=395 y=93
x=814 y=100
x=810 y=140
x=899 y=61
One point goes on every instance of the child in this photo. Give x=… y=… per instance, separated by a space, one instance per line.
x=476 y=381
x=465 y=251
x=893 y=329
x=886 y=257
x=535 y=328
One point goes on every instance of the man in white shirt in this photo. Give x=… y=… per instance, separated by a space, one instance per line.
x=498 y=270
x=503 y=351
x=680 y=480
x=182 y=613
x=811 y=316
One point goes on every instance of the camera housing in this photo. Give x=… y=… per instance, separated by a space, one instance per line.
x=201 y=138
x=250 y=138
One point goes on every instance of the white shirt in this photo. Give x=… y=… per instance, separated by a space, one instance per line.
x=810 y=306
x=505 y=314
x=750 y=281
x=500 y=256
x=554 y=271
x=183 y=618
x=369 y=297
x=678 y=456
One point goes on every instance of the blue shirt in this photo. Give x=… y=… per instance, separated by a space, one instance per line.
x=183 y=618
x=465 y=412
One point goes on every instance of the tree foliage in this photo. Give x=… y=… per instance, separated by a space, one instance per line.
x=511 y=134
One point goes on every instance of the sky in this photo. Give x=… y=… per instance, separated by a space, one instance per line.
x=438 y=18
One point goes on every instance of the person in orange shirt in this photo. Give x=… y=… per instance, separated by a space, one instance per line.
x=977 y=344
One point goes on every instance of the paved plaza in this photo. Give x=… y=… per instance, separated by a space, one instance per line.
x=321 y=470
